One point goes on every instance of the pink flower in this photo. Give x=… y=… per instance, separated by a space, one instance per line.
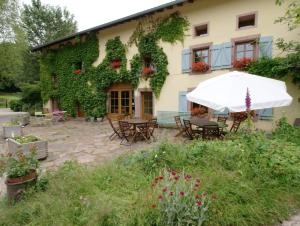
x=199 y=203
x=160 y=197
x=248 y=101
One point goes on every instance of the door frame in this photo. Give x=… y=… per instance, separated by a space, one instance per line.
x=142 y=104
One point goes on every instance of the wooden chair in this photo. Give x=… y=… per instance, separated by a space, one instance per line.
x=211 y=132
x=222 y=123
x=179 y=125
x=235 y=126
x=191 y=133
x=126 y=133
x=116 y=130
x=143 y=131
x=152 y=125
x=154 y=121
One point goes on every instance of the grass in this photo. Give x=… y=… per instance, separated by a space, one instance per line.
x=254 y=179
x=8 y=97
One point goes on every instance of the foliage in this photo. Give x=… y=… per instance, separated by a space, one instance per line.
x=88 y=88
x=200 y=67
x=16 y=105
x=286 y=132
x=8 y=20
x=180 y=200
x=254 y=181
x=292 y=15
x=45 y=23
x=22 y=164
x=26 y=139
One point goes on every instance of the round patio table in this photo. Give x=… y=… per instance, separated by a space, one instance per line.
x=201 y=122
x=135 y=122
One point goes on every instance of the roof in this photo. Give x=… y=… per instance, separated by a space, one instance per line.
x=147 y=12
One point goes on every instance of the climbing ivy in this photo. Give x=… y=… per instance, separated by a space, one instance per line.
x=88 y=88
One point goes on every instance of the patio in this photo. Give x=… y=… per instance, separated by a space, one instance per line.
x=86 y=142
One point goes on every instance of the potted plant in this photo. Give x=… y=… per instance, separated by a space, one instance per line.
x=115 y=63
x=200 y=66
x=26 y=143
x=21 y=172
x=77 y=72
x=147 y=71
x=12 y=129
x=242 y=63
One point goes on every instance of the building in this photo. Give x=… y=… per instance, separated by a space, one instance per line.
x=220 y=33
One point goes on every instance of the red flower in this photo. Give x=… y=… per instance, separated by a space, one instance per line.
x=199 y=203
x=147 y=71
x=187 y=177
x=173 y=173
x=198 y=181
x=153 y=206
x=171 y=193
x=77 y=72
x=197 y=197
x=115 y=64
x=177 y=177
x=164 y=189
x=242 y=63
x=181 y=193
x=161 y=177
x=160 y=197
x=200 y=66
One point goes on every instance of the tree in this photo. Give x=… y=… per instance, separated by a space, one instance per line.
x=44 y=23
x=9 y=13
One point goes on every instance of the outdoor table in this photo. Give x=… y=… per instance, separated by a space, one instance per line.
x=201 y=122
x=135 y=122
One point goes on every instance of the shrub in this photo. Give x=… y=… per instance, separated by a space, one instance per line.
x=15 y=105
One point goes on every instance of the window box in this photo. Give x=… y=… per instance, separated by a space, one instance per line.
x=200 y=58
x=147 y=71
x=200 y=67
x=242 y=63
x=115 y=64
x=77 y=72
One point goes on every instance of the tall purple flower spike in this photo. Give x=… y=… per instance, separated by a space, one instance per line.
x=248 y=101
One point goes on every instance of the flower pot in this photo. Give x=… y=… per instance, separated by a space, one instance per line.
x=41 y=147
x=16 y=186
x=12 y=131
x=115 y=64
x=200 y=67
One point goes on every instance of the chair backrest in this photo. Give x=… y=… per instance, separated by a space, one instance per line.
x=188 y=128
x=153 y=122
x=211 y=132
x=235 y=126
x=124 y=126
x=222 y=119
x=178 y=122
x=112 y=125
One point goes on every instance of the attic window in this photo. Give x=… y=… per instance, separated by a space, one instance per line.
x=201 y=30
x=247 y=21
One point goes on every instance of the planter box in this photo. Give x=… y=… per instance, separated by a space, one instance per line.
x=12 y=131
x=40 y=145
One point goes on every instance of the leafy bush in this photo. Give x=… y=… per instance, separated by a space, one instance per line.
x=26 y=139
x=15 y=105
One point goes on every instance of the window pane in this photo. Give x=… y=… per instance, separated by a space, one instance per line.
x=239 y=55
x=249 y=46
x=239 y=47
x=249 y=54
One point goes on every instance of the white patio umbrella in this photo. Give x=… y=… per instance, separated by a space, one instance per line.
x=229 y=91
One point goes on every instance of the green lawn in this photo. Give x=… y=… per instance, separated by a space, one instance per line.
x=250 y=179
x=8 y=97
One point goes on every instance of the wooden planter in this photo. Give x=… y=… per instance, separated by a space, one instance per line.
x=16 y=186
x=41 y=147
x=12 y=131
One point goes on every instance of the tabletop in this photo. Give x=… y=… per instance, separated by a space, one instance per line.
x=136 y=121
x=202 y=122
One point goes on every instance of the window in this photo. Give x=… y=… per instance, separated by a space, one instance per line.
x=114 y=102
x=246 y=21
x=201 y=55
x=120 y=99
x=201 y=30
x=245 y=50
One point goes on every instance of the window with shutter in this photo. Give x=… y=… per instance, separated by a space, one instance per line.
x=185 y=60
x=265 y=46
x=183 y=103
x=216 y=55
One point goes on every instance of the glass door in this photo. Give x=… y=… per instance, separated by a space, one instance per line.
x=147 y=105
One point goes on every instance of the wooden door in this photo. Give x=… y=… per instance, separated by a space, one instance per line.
x=147 y=105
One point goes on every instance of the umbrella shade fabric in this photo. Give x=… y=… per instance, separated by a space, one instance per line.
x=229 y=91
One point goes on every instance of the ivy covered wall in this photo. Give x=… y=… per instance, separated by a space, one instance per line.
x=61 y=79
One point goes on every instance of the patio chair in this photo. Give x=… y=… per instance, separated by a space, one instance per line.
x=211 y=132
x=191 y=133
x=235 y=126
x=297 y=122
x=127 y=134
x=143 y=131
x=222 y=123
x=154 y=121
x=179 y=125
x=152 y=125
x=116 y=130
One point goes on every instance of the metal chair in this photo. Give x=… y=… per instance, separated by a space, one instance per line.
x=211 y=132
x=235 y=126
x=116 y=130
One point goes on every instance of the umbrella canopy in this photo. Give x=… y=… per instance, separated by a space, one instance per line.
x=229 y=91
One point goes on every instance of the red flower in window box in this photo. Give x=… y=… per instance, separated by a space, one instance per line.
x=115 y=64
x=242 y=63
x=147 y=71
x=77 y=72
x=200 y=66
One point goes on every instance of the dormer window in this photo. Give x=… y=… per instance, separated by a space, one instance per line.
x=247 y=21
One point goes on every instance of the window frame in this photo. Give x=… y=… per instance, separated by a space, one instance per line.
x=245 y=39
x=255 y=13
x=200 y=47
x=198 y=25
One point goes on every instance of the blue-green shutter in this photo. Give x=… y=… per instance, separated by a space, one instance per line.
x=226 y=55
x=216 y=53
x=185 y=60
x=265 y=46
x=265 y=114
x=182 y=101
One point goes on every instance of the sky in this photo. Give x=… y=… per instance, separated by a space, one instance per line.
x=91 y=13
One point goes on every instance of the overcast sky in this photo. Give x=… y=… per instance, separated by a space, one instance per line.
x=90 y=13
